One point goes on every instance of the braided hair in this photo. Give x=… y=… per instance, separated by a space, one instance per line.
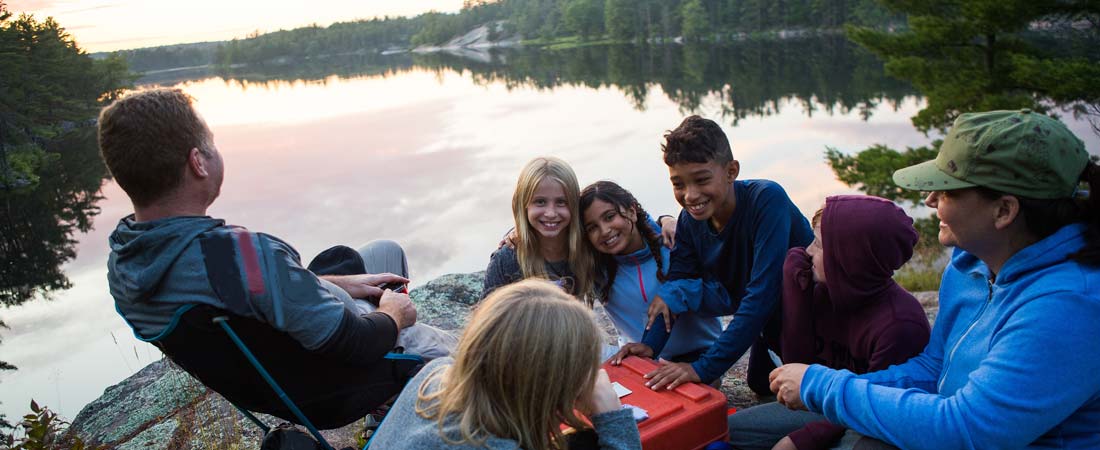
x=623 y=201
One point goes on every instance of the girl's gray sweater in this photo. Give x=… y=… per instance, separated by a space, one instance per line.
x=404 y=429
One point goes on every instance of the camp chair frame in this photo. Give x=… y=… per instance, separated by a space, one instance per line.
x=222 y=321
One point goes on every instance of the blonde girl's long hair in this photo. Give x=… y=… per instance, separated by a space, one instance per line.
x=528 y=354
x=581 y=260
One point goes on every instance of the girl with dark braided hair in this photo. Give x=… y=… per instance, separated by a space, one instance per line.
x=632 y=260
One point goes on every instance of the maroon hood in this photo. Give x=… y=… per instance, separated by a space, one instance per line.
x=865 y=239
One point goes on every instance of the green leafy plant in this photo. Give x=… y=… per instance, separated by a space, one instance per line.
x=41 y=429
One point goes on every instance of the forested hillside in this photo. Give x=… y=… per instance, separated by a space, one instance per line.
x=545 y=20
x=692 y=19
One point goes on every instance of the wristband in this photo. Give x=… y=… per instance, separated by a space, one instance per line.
x=659 y=223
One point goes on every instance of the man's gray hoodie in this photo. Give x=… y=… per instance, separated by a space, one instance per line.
x=157 y=267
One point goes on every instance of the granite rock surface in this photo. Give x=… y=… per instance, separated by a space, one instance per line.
x=162 y=407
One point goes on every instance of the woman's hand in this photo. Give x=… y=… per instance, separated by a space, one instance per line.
x=786 y=383
x=603 y=398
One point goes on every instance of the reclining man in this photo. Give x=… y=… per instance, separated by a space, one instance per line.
x=170 y=254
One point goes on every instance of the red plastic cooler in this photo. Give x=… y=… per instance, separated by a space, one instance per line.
x=686 y=418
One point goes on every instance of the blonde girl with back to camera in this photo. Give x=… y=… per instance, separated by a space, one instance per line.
x=528 y=358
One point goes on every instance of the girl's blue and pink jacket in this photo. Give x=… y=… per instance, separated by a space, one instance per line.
x=635 y=285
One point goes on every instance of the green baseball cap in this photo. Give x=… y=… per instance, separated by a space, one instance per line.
x=1017 y=152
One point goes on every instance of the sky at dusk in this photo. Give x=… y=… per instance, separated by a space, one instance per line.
x=106 y=25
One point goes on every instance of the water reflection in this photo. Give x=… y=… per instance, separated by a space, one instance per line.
x=41 y=222
x=752 y=78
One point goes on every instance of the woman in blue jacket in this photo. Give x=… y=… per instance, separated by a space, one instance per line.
x=1012 y=359
x=633 y=263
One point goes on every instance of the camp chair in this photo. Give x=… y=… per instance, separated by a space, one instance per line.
x=201 y=340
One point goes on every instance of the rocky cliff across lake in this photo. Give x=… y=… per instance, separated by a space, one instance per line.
x=162 y=407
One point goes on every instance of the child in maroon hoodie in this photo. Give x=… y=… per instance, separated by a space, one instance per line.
x=842 y=309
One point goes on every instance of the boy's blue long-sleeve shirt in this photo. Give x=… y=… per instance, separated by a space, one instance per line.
x=1010 y=364
x=738 y=270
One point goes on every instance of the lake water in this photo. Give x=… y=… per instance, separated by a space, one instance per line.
x=425 y=150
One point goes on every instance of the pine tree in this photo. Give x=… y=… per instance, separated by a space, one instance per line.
x=585 y=17
x=619 y=19
x=967 y=55
x=696 y=24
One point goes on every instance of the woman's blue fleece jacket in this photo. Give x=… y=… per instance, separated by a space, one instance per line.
x=1010 y=364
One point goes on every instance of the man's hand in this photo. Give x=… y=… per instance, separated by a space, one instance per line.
x=399 y=307
x=657 y=307
x=633 y=348
x=365 y=285
x=786 y=383
x=670 y=375
x=603 y=397
x=668 y=231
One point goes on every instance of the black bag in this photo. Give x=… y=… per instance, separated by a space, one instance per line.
x=289 y=437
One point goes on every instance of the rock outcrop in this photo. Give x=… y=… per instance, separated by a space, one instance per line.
x=475 y=44
x=162 y=407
